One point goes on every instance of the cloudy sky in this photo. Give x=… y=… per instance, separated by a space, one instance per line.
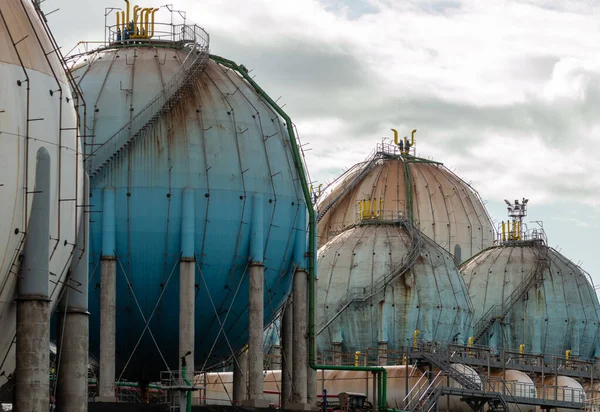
x=503 y=92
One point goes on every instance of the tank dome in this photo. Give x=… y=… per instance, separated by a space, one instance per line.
x=36 y=111
x=524 y=292
x=392 y=184
x=381 y=283
x=223 y=145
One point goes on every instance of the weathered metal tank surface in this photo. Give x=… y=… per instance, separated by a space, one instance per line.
x=562 y=388
x=36 y=111
x=384 y=282
x=525 y=292
x=388 y=185
x=222 y=144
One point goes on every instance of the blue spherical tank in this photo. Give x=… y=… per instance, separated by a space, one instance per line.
x=205 y=168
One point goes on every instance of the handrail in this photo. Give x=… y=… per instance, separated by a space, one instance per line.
x=197 y=43
x=499 y=311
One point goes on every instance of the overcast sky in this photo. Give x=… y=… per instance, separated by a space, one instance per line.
x=505 y=93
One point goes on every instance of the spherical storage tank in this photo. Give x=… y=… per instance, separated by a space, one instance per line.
x=376 y=285
x=213 y=163
x=524 y=292
x=37 y=114
x=385 y=271
x=444 y=207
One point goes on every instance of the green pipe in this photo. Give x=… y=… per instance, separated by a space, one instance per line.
x=188 y=383
x=312 y=234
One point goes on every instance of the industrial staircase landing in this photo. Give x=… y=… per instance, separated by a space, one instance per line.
x=193 y=39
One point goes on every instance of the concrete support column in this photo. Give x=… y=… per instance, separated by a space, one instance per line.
x=256 y=316
x=73 y=329
x=287 y=343
x=239 y=378
x=300 y=354
x=255 y=337
x=33 y=306
x=108 y=299
x=382 y=359
x=311 y=374
x=337 y=353
x=187 y=289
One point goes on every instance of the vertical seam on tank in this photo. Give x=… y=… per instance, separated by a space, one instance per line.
x=108 y=71
x=456 y=321
x=467 y=213
x=429 y=196
x=450 y=227
x=437 y=289
x=232 y=270
x=370 y=311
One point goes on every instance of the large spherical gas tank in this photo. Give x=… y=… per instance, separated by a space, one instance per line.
x=444 y=207
x=455 y=403
x=376 y=284
x=539 y=292
x=36 y=111
x=231 y=153
x=516 y=383
x=562 y=388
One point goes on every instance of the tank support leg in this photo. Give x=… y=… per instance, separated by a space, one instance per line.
x=33 y=306
x=239 y=378
x=255 y=338
x=187 y=289
x=108 y=299
x=73 y=331
x=256 y=308
x=300 y=357
x=287 y=343
x=311 y=374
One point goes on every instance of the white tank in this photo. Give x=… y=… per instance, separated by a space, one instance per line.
x=518 y=384
x=36 y=110
x=453 y=403
x=567 y=389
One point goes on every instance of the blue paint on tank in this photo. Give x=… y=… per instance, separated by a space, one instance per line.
x=221 y=147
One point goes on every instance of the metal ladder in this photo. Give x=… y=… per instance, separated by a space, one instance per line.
x=196 y=41
x=501 y=310
x=404 y=266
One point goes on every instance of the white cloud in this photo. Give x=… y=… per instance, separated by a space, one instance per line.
x=505 y=91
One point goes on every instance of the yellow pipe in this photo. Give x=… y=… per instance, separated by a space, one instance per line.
x=146 y=21
x=123 y=24
x=380 y=207
x=396 y=137
x=521 y=348
x=508 y=229
x=136 y=8
x=470 y=345
x=520 y=230
x=360 y=210
x=143 y=21
x=415 y=334
x=127 y=20
x=119 y=25
x=364 y=209
x=503 y=231
x=152 y=35
x=356 y=355
x=413 y=137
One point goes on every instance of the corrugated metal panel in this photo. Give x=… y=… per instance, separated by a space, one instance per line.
x=563 y=300
x=445 y=208
x=223 y=142
x=432 y=297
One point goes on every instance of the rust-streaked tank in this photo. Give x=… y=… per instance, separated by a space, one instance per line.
x=391 y=184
